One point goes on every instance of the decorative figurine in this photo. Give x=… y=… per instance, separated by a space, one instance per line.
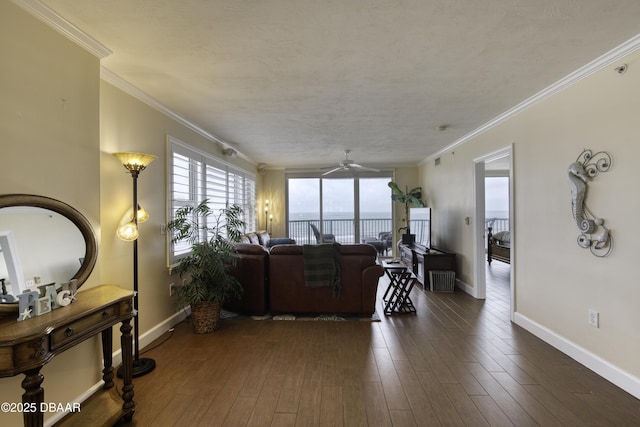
x=594 y=234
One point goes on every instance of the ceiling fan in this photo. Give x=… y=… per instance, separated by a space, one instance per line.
x=349 y=165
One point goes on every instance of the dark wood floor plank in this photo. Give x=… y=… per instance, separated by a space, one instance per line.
x=283 y=420
x=240 y=412
x=492 y=412
x=394 y=393
x=503 y=399
x=553 y=405
x=403 y=419
x=416 y=395
x=265 y=408
x=442 y=406
x=464 y=405
x=535 y=409
x=354 y=410
x=376 y=405
x=331 y=406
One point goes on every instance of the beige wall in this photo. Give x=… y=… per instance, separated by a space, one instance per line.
x=50 y=146
x=556 y=282
x=273 y=189
x=406 y=177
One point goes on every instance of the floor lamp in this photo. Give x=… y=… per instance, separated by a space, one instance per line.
x=135 y=163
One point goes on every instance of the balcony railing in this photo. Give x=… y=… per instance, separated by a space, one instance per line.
x=496 y=224
x=344 y=232
x=342 y=229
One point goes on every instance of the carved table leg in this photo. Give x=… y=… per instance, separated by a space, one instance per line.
x=126 y=342
x=107 y=347
x=32 y=398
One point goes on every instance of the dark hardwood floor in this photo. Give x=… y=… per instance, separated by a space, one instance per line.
x=457 y=362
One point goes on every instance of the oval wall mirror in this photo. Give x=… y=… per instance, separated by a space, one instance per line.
x=45 y=240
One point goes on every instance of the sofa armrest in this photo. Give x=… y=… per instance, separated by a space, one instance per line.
x=250 y=249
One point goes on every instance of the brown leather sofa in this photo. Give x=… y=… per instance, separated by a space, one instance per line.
x=359 y=276
x=273 y=281
x=251 y=270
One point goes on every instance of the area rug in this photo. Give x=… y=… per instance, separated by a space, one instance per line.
x=225 y=314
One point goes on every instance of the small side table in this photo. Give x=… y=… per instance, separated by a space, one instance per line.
x=401 y=282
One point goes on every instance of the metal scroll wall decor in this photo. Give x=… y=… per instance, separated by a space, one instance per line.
x=594 y=235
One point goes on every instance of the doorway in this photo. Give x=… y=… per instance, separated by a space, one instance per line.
x=493 y=176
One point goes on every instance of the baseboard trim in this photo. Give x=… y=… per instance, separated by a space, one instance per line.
x=612 y=373
x=465 y=288
x=145 y=339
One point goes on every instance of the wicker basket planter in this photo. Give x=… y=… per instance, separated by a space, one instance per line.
x=205 y=317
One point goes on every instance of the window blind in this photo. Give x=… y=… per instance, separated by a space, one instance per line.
x=194 y=176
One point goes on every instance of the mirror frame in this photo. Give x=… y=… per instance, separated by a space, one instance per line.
x=91 y=244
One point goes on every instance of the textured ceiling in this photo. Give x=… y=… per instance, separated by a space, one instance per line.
x=293 y=83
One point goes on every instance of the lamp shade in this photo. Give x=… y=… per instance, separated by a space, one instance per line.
x=143 y=215
x=128 y=232
x=134 y=161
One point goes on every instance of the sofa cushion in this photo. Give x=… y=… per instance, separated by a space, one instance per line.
x=358 y=250
x=281 y=241
x=263 y=238
x=253 y=238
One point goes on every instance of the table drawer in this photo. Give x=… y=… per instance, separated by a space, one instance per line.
x=76 y=330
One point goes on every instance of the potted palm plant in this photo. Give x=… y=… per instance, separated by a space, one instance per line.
x=208 y=266
x=407 y=197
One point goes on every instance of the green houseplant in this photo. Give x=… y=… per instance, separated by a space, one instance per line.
x=408 y=198
x=208 y=266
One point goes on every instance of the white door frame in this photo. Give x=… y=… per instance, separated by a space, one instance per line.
x=479 y=267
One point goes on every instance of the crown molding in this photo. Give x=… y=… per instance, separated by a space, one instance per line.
x=64 y=27
x=594 y=66
x=117 y=81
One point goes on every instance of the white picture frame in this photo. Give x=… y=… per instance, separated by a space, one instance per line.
x=12 y=262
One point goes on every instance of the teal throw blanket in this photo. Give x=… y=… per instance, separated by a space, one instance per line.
x=322 y=266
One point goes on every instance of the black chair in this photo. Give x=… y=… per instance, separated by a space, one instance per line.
x=382 y=243
x=326 y=238
x=387 y=240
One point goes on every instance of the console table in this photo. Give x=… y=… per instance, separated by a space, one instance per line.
x=423 y=260
x=26 y=346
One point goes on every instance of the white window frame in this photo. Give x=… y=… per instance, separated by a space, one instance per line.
x=208 y=177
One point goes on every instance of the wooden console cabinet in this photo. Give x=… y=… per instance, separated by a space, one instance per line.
x=26 y=346
x=423 y=260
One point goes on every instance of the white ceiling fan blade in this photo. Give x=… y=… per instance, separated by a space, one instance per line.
x=332 y=171
x=363 y=168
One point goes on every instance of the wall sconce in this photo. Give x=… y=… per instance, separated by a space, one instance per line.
x=135 y=163
x=266 y=213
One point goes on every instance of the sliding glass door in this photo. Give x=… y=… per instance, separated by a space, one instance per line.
x=345 y=209
x=338 y=213
x=374 y=208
